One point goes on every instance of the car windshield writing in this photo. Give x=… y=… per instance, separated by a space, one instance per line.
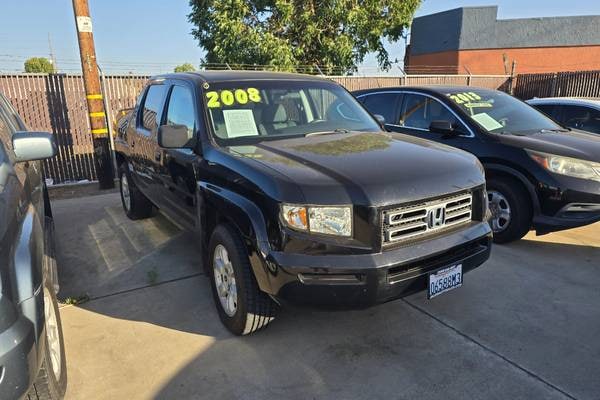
x=259 y=110
x=497 y=112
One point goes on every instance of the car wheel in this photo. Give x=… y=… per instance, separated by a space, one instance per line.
x=242 y=306
x=51 y=381
x=135 y=204
x=510 y=209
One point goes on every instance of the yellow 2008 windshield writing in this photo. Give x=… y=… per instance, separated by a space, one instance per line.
x=226 y=97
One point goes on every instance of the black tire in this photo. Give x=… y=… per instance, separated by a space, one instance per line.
x=46 y=385
x=255 y=309
x=139 y=206
x=520 y=207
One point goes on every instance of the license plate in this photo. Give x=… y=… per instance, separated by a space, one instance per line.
x=444 y=280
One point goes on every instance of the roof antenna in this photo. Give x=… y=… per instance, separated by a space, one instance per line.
x=228 y=67
x=319 y=69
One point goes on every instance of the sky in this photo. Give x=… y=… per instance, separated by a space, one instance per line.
x=152 y=36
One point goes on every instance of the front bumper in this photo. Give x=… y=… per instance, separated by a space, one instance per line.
x=18 y=359
x=570 y=203
x=570 y=216
x=356 y=281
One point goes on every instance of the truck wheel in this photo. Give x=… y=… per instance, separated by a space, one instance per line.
x=135 y=204
x=510 y=207
x=51 y=381
x=242 y=307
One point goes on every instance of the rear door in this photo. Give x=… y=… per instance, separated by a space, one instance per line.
x=144 y=143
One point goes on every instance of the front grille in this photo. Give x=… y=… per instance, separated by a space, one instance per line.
x=419 y=220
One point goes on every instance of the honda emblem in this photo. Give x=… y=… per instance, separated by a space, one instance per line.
x=436 y=217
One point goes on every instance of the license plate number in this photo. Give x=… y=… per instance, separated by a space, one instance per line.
x=444 y=280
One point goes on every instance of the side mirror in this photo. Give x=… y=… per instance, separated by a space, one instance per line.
x=175 y=137
x=31 y=146
x=441 y=126
x=380 y=118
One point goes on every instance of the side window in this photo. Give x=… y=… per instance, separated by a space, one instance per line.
x=548 y=109
x=384 y=104
x=152 y=108
x=11 y=115
x=6 y=133
x=181 y=109
x=593 y=125
x=579 y=117
x=419 y=111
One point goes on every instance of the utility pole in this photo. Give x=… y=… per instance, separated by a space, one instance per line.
x=91 y=81
x=52 y=54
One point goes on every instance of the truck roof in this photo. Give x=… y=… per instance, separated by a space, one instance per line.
x=233 y=75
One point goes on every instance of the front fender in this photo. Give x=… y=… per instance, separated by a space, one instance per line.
x=521 y=178
x=245 y=216
x=27 y=269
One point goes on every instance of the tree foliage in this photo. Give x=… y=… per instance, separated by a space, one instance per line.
x=39 y=65
x=287 y=33
x=185 y=67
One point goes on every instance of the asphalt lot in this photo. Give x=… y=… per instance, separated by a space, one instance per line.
x=524 y=325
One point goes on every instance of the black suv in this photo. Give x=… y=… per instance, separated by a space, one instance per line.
x=298 y=194
x=32 y=359
x=539 y=174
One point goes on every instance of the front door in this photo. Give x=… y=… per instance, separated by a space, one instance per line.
x=418 y=111
x=175 y=174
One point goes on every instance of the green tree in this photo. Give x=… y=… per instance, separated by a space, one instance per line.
x=39 y=65
x=185 y=67
x=286 y=33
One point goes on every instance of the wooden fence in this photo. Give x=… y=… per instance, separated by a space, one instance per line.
x=56 y=103
x=559 y=84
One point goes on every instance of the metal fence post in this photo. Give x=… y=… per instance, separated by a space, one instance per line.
x=511 y=85
x=553 y=88
x=108 y=120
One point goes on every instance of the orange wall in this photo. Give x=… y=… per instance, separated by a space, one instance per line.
x=445 y=62
x=491 y=61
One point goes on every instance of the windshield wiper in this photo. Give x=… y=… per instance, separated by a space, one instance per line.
x=327 y=132
x=555 y=130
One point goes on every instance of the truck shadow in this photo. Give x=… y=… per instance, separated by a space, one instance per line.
x=101 y=252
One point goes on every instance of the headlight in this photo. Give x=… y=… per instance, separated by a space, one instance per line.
x=567 y=166
x=319 y=219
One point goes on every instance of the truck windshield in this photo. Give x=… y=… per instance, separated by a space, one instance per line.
x=252 y=111
x=497 y=112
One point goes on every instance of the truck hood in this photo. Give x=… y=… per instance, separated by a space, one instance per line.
x=575 y=144
x=371 y=169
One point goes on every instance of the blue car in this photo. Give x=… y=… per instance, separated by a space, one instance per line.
x=32 y=355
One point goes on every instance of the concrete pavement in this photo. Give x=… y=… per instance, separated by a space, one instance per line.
x=524 y=325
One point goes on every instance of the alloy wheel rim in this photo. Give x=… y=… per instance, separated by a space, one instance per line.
x=225 y=280
x=52 y=334
x=125 y=192
x=500 y=209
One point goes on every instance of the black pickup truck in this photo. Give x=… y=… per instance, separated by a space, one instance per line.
x=298 y=194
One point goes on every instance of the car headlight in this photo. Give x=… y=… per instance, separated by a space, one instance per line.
x=567 y=166
x=326 y=220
